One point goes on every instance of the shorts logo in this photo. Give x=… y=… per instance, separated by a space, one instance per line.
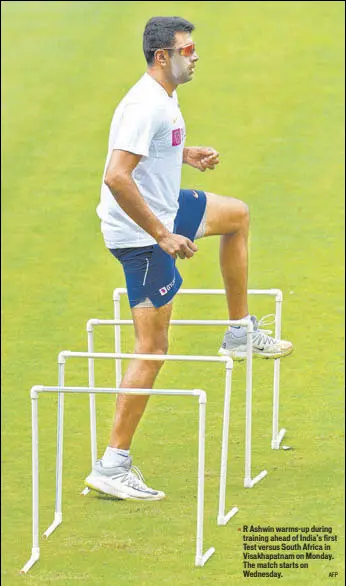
x=176 y=137
x=164 y=290
x=195 y=194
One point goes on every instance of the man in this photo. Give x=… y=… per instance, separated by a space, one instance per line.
x=147 y=222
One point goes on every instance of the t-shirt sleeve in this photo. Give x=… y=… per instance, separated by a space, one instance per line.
x=136 y=128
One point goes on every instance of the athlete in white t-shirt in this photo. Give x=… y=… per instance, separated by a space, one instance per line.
x=147 y=222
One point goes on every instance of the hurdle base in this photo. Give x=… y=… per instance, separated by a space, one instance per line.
x=35 y=556
x=250 y=482
x=223 y=519
x=202 y=560
x=276 y=443
x=57 y=521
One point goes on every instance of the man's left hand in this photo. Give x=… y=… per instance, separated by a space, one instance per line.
x=201 y=158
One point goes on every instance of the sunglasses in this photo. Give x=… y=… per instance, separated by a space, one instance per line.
x=185 y=51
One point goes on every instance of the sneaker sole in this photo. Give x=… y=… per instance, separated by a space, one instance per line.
x=103 y=488
x=239 y=356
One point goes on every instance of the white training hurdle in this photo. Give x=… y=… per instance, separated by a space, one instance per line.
x=223 y=518
x=200 y=558
x=249 y=482
x=277 y=436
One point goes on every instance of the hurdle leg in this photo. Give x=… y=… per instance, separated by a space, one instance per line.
x=248 y=481
x=92 y=403
x=35 y=552
x=59 y=453
x=201 y=559
x=117 y=338
x=222 y=518
x=92 y=399
x=277 y=435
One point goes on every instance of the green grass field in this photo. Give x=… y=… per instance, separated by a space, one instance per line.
x=268 y=94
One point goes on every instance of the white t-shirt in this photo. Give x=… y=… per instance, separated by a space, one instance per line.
x=147 y=122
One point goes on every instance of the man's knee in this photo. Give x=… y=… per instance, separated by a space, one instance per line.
x=243 y=213
x=157 y=346
x=152 y=345
x=238 y=218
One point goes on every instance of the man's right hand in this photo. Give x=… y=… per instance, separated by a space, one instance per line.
x=177 y=246
x=119 y=180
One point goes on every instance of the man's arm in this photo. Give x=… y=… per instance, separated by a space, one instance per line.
x=119 y=180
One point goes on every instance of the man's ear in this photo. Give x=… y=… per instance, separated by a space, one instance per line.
x=160 y=56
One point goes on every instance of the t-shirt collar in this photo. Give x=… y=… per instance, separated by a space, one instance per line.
x=157 y=85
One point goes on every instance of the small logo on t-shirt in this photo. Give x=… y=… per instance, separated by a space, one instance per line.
x=176 y=137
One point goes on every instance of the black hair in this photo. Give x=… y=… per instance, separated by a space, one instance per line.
x=160 y=32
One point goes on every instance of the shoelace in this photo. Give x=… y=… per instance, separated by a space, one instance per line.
x=133 y=480
x=260 y=335
x=266 y=320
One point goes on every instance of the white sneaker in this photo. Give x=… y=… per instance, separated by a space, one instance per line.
x=234 y=342
x=122 y=482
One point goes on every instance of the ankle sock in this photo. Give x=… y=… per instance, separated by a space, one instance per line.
x=114 y=457
x=238 y=331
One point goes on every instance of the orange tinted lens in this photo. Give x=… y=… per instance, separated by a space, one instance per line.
x=188 y=50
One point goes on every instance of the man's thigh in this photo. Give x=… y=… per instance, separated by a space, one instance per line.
x=151 y=327
x=224 y=214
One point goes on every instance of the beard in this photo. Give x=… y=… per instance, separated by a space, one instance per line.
x=180 y=72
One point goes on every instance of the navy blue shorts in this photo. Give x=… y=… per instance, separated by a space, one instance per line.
x=149 y=271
